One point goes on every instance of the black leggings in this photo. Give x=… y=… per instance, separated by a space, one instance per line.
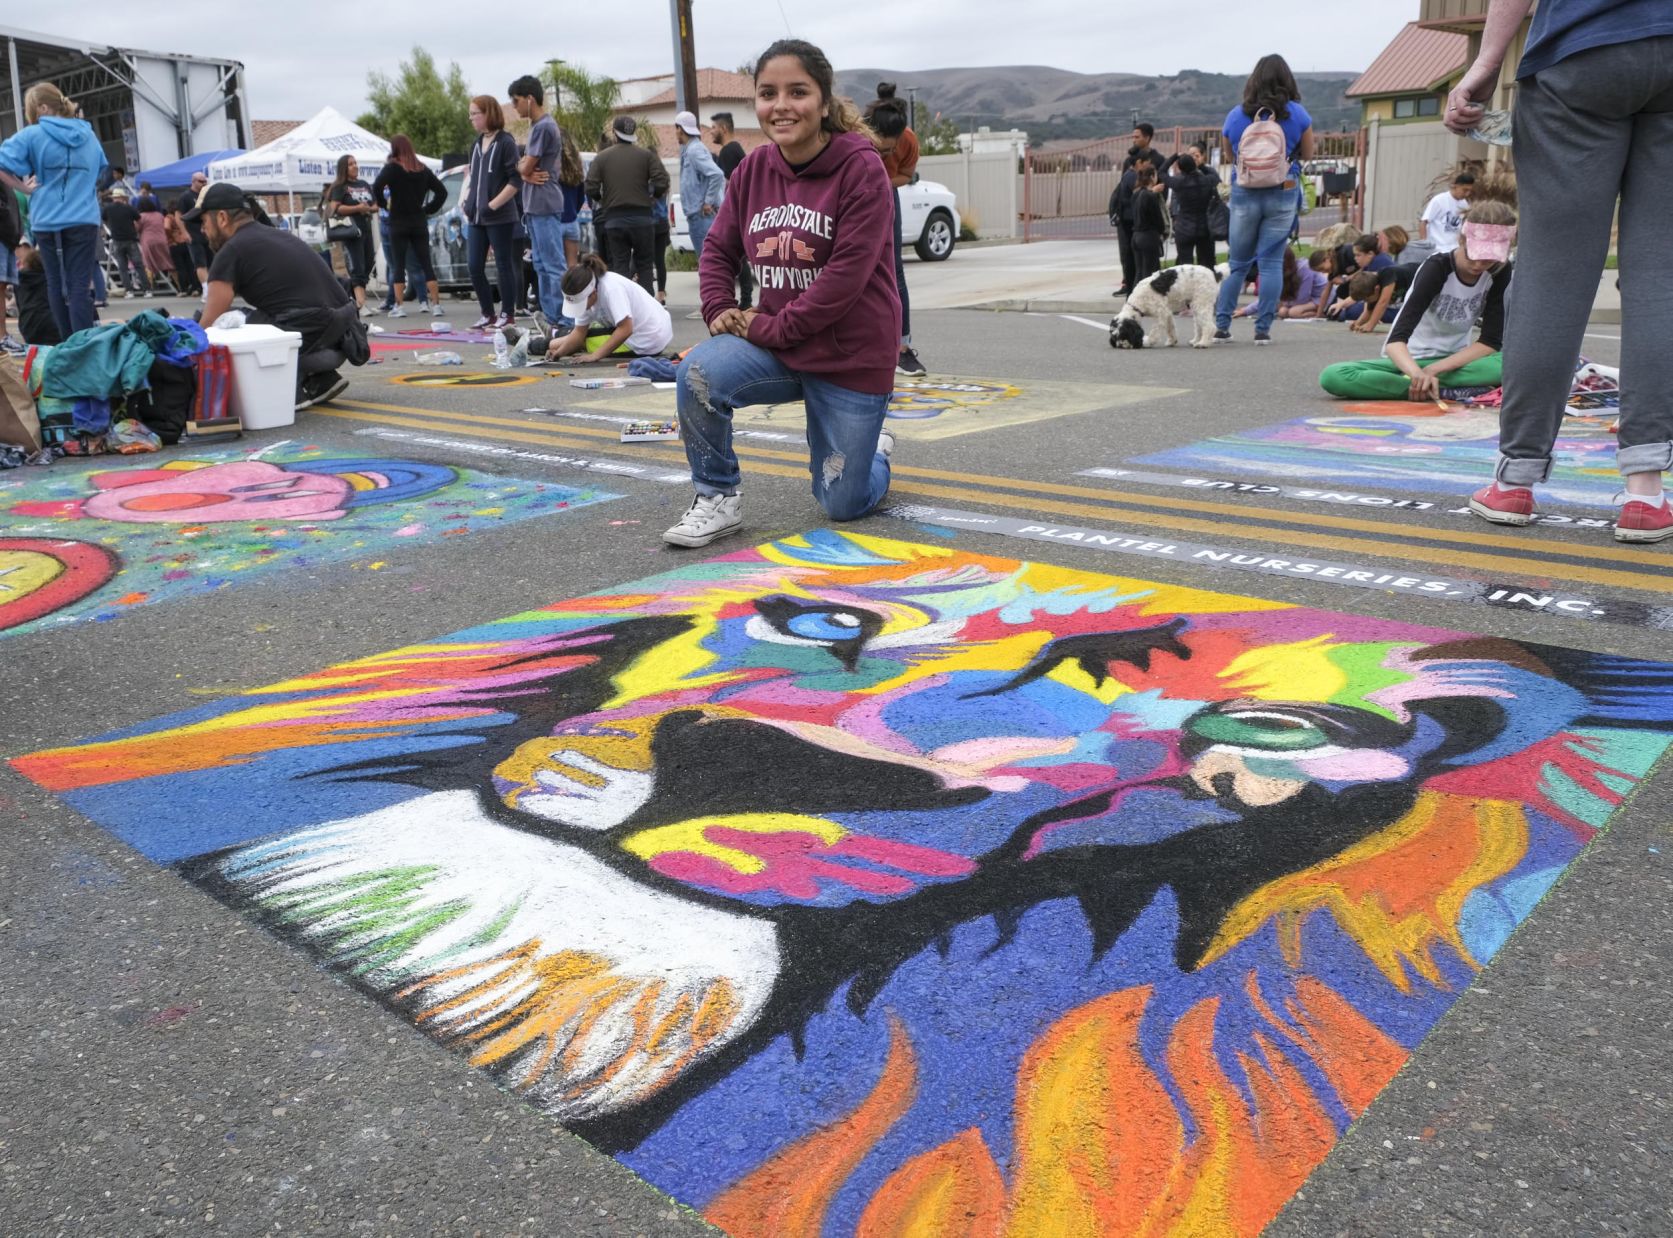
x=1199 y=252
x=900 y=281
x=660 y=242
x=360 y=253
x=1147 y=255
x=506 y=266
x=409 y=255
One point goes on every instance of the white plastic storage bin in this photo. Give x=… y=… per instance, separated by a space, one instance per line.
x=263 y=374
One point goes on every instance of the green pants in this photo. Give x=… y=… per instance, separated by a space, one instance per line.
x=1380 y=379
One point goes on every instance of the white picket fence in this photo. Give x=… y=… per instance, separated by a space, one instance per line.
x=987 y=186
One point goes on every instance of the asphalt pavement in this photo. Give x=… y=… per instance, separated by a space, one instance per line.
x=173 y=1067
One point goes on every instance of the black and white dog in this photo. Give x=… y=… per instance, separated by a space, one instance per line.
x=1163 y=295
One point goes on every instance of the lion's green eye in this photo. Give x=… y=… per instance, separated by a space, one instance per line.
x=1276 y=732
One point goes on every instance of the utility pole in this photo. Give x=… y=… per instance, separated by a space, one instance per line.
x=912 y=107
x=685 y=57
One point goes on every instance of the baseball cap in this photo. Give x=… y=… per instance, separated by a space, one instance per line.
x=1488 y=242
x=575 y=308
x=221 y=196
x=625 y=128
x=688 y=122
x=118 y=191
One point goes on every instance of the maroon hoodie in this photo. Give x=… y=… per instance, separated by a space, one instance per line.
x=820 y=243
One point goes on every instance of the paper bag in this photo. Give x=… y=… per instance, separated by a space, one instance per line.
x=19 y=427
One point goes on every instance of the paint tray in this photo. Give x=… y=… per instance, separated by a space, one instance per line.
x=650 y=432
x=608 y=384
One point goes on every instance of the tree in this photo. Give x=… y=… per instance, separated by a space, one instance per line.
x=433 y=112
x=939 y=137
x=583 y=105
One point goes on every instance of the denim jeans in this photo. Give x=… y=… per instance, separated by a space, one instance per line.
x=698 y=224
x=1261 y=220
x=726 y=373
x=130 y=264
x=546 y=233
x=69 y=257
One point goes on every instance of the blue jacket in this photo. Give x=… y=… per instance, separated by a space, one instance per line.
x=66 y=158
x=701 y=180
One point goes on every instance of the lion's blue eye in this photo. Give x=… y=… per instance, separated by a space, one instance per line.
x=843 y=630
x=823 y=625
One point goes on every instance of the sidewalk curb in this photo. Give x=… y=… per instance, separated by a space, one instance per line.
x=1108 y=306
x=1605 y=317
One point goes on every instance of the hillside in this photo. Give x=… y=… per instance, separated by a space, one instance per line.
x=1055 y=103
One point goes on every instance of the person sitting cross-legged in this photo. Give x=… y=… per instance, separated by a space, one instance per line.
x=286 y=286
x=1429 y=350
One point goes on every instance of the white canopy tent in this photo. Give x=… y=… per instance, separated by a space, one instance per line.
x=306 y=157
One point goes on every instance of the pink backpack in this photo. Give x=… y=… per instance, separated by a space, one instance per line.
x=1263 y=155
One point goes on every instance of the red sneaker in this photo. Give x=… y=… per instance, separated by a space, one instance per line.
x=1504 y=505
x=1644 y=522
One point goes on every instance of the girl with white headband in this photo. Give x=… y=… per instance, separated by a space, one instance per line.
x=600 y=302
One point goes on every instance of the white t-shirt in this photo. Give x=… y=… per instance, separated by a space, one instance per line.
x=1445 y=217
x=619 y=298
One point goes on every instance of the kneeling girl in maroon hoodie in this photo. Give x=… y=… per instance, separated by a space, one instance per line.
x=813 y=216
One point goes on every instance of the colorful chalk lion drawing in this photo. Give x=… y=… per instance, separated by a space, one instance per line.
x=849 y=885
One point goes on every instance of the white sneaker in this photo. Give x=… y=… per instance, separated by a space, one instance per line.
x=886 y=443
x=710 y=516
x=400 y=311
x=368 y=311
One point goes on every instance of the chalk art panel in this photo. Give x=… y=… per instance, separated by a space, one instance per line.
x=846 y=885
x=128 y=535
x=1398 y=445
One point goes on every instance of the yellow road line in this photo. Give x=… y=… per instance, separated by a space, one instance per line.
x=1170 y=522
x=1240 y=512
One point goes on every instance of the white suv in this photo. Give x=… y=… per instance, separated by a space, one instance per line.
x=928 y=220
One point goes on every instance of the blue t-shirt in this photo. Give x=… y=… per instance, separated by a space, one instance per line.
x=1237 y=120
x=1563 y=27
x=571 y=203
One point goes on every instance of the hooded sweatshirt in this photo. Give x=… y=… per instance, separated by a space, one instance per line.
x=66 y=158
x=820 y=242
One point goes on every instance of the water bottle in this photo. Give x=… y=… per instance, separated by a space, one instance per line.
x=502 y=351
x=438 y=358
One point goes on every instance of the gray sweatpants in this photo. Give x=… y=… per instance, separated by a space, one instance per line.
x=1592 y=127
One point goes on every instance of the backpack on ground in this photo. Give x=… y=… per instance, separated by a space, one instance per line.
x=1263 y=153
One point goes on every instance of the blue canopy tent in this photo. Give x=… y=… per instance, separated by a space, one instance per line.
x=179 y=173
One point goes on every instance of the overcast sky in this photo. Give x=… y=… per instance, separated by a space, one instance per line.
x=299 y=57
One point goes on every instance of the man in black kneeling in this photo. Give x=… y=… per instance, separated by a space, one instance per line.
x=286 y=285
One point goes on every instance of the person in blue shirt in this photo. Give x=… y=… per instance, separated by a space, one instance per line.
x=56 y=159
x=702 y=183
x=1593 y=127
x=1261 y=218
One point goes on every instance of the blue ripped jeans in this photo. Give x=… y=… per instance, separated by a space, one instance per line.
x=850 y=476
x=1261 y=220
